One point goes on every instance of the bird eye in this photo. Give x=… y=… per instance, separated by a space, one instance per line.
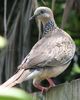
x=42 y=12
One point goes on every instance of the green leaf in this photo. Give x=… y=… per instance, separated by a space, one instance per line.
x=76 y=68
x=14 y=94
x=3 y=42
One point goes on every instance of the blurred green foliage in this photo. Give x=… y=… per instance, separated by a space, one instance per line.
x=3 y=42
x=14 y=94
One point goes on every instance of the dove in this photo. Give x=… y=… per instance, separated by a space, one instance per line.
x=49 y=57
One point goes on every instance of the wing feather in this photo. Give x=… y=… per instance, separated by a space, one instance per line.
x=51 y=50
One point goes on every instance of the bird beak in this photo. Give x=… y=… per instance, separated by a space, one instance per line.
x=33 y=17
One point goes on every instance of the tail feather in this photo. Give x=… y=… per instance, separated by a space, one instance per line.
x=19 y=77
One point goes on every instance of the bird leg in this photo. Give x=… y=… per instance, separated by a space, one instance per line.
x=51 y=83
x=42 y=88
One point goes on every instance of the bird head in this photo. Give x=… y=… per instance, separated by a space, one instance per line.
x=43 y=14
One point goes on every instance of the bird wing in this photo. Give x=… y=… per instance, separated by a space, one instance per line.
x=51 y=50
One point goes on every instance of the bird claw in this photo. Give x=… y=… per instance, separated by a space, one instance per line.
x=44 y=89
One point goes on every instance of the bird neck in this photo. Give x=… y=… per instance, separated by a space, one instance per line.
x=50 y=25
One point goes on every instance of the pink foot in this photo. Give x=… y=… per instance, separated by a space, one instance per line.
x=44 y=89
x=41 y=88
x=51 y=83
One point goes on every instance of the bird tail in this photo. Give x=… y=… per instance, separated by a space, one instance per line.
x=19 y=77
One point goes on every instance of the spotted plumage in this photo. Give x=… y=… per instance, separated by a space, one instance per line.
x=48 y=26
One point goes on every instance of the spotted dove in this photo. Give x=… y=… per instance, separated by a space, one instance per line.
x=49 y=57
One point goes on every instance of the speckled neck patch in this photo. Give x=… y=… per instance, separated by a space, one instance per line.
x=48 y=26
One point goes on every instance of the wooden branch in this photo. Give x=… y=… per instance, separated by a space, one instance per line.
x=65 y=91
x=69 y=4
x=5 y=14
x=53 y=4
